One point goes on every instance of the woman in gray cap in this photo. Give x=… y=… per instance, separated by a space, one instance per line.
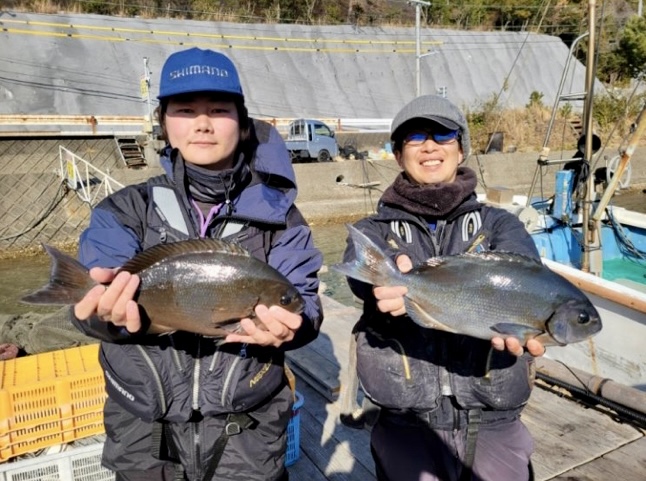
x=449 y=403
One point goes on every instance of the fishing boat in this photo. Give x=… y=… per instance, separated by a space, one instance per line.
x=601 y=248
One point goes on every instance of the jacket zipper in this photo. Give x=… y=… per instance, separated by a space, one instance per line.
x=232 y=369
x=196 y=379
x=195 y=426
x=197 y=442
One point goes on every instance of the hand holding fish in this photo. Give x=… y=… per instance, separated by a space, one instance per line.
x=390 y=300
x=277 y=326
x=513 y=345
x=112 y=303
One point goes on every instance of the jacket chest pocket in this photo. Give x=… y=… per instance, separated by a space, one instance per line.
x=393 y=369
x=133 y=381
x=236 y=382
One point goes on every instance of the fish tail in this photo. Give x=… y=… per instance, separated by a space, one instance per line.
x=69 y=281
x=371 y=264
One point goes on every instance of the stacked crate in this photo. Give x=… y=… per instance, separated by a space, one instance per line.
x=57 y=397
x=50 y=398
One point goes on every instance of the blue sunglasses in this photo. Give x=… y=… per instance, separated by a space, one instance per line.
x=421 y=136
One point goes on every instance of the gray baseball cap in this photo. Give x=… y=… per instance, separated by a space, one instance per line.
x=437 y=109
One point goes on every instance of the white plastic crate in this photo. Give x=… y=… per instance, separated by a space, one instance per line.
x=77 y=464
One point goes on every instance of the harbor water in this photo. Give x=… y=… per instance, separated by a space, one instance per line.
x=19 y=276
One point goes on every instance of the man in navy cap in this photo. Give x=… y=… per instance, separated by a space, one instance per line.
x=185 y=406
x=449 y=404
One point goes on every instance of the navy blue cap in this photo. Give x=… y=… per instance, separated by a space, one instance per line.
x=197 y=70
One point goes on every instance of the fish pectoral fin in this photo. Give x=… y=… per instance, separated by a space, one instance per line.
x=519 y=331
x=547 y=340
x=423 y=318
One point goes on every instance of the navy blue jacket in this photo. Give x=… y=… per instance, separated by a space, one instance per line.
x=172 y=377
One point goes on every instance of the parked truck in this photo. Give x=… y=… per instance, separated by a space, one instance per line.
x=311 y=140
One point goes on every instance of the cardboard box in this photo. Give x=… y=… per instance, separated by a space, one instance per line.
x=500 y=195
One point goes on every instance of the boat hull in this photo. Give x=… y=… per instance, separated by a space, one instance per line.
x=617 y=352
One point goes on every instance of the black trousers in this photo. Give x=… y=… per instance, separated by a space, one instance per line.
x=162 y=473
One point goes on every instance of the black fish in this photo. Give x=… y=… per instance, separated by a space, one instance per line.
x=203 y=286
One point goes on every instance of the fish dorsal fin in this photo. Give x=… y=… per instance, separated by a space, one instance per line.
x=153 y=255
x=499 y=256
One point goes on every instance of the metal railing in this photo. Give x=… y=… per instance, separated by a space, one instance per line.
x=22 y=125
x=90 y=184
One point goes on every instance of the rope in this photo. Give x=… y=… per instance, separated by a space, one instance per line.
x=621 y=410
x=55 y=202
x=624 y=243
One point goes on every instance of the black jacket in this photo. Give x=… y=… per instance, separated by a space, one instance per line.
x=403 y=366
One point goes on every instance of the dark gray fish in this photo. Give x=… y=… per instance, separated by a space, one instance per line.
x=482 y=295
x=203 y=286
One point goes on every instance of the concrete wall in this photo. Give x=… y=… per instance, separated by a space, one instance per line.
x=516 y=171
x=331 y=192
x=35 y=208
x=328 y=192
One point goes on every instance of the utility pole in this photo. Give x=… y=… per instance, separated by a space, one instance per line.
x=145 y=94
x=418 y=78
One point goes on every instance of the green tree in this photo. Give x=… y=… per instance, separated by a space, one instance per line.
x=632 y=47
x=514 y=14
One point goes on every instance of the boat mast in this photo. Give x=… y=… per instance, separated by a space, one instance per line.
x=592 y=260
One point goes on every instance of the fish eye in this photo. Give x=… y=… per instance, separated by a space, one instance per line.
x=285 y=300
x=584 y=318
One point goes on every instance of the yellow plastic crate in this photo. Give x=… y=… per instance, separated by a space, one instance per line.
x=50 y=398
